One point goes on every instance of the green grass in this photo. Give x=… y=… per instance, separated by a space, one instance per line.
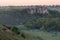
x=10 y=35
x=43 y=35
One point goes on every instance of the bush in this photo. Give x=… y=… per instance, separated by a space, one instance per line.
x=16 y=30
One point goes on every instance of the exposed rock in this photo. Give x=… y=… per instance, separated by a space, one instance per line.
x=42 y=10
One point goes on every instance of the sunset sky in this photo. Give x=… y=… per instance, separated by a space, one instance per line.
x=28 y=2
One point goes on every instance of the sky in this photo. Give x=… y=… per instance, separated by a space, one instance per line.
x=28 y=2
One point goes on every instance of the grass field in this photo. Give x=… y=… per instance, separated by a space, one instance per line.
x=43 y=35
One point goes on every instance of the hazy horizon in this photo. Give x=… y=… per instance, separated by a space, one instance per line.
x=28 y=2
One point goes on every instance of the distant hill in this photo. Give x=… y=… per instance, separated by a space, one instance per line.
x=54 y=8
x=20 y=16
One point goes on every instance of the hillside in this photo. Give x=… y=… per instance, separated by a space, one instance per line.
x=45 y=24
x=8 y=34
x=12 y=34
x=20 y=16
x=29 y=24
x=54 y=8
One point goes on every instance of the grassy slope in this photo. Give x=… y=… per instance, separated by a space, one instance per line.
x=43 y=35
x=7 y=35
x=10 y=35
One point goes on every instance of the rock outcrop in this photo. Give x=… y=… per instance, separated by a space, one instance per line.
x=42 y=10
